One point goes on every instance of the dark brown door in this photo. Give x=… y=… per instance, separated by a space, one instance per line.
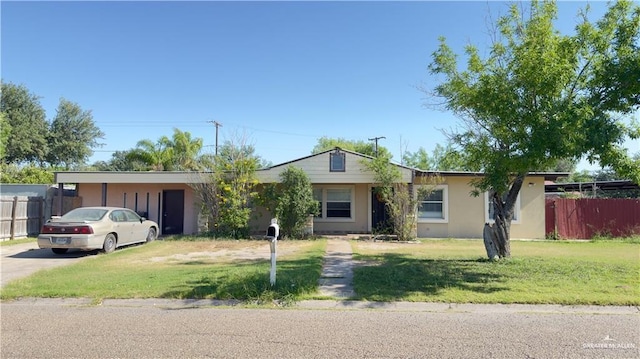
x=173 y=212
x=380 y=222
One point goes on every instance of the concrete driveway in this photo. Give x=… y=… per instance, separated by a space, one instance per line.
x=21 y=260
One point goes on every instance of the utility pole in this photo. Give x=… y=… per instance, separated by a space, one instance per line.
x=217 y=124
x=376 y=141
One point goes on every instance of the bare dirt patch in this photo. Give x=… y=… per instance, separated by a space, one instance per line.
x=230 y=251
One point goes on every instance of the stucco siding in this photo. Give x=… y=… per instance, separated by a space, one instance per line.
x=317 y=169
x=91 y=194
x=466 y=213
x=532 y=210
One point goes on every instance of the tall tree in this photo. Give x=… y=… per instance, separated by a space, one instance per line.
x=158 y=156
x=27 y=123
x=29 y=174
x=442 y=159
x=226 y=189
x=186 y=151
x=363 y=147
x=181 y=152
x=119 y=162
x=72 y=136
x=5 y=131
x=541 y=96
x=235 y=180
x=419 y=159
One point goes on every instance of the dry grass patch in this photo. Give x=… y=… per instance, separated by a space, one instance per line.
x=184 y=269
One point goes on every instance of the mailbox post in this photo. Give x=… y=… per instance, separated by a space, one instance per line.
x=272 y=235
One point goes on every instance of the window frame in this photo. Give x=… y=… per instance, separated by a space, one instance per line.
x=445 y=205
x=517 y=213
x=342 y=161
x=323 y=213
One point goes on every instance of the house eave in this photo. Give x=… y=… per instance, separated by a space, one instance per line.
x=132 y=177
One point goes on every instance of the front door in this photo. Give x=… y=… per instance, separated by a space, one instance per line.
x=172 y=212
x=380 y=222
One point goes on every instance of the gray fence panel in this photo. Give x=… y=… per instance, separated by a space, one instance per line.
x=20 y=216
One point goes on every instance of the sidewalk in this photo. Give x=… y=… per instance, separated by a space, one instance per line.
x=337 y=270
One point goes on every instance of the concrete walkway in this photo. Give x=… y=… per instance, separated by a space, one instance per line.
x=337 y=270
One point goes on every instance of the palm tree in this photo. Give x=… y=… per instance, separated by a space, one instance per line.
x=158 y=156
x=180 y=153
x=186 y=151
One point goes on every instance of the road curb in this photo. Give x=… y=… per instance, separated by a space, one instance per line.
x=336 y=305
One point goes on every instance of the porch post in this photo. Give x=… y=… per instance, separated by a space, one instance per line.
x=60 y=198
x=104 y=194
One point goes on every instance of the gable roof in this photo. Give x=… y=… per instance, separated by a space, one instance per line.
x=317 y=168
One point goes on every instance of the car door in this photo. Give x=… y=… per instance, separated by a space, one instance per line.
x=138 y=230
x=122 y=226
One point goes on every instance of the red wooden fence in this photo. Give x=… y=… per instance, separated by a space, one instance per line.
x=583 y=218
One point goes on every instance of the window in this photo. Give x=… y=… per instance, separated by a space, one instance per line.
x=339 y=203
x=317 y=195
x=335 y=203
x=432 y=206
x=132 y=217
x=489 y=212
x=118 y=216
x=337 y=162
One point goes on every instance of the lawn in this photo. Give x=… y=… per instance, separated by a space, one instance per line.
x=600 y=272
x=12 y=242
x=184 y=269
x=603 y=272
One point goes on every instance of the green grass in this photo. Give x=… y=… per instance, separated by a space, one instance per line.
x=602 y=273
x=17 y=241
x=182 y=270
x=560 y=272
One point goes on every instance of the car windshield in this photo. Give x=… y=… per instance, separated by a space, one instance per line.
x=84 y=214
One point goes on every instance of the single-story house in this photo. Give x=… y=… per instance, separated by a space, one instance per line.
x=341 y=183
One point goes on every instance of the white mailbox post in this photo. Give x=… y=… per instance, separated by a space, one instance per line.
x=272 y=235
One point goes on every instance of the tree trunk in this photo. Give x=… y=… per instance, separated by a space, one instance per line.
x=501 y=229
x=497 y=235
x=490 y=242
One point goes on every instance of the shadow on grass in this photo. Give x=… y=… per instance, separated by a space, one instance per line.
x=249 y=281
x=395 y=276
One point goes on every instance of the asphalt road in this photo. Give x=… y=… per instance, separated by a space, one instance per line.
x=148 y=329
x=156 y=328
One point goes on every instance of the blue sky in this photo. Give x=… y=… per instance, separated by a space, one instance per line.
x=280 y=74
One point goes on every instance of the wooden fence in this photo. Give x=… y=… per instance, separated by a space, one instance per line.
x=584 y=218
x=20 y=216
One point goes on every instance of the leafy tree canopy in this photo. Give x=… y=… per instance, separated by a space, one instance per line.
x=540 y=96
x=363 y=147
x=72 y=135
x=30 y=174
x=119 y=162
x=179 y=153
x=442 y=159
x=27 y=125
x=5 y=131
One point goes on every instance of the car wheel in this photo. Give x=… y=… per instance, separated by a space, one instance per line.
x=59 y=250
x=109 y=243
x=151 y=235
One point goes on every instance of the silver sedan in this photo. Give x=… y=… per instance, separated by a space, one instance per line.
x=89 y=228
